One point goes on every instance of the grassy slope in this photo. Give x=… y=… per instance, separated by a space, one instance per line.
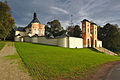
x=2 y=43
x=49 y=62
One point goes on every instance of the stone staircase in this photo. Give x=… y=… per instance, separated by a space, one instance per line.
x=101 y=49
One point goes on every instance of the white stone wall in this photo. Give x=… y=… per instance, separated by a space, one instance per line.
x=99 y=43
x=17 y=39
x=27 y=39
x=70 y=42
x=67 y=42
x=34 y=39
x=63 y=42
x=75 y=42
x=20 y=32
x=43 y=40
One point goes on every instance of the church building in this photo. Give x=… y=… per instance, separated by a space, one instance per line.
x=89 y=33
x=34 y=28
x=35 y=32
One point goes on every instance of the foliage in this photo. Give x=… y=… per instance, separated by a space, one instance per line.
x=55 y=29
x=2 y=44
x=53 y=63
x=11 y=35
x=74 y=31
x=77 y=31
x=110 y=36
x=6 y=20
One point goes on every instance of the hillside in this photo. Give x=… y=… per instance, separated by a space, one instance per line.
x=49 y=62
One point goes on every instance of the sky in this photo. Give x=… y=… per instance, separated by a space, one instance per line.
x=99 y=11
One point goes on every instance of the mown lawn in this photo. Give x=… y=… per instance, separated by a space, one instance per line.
x=2 y=43
x=49 y=62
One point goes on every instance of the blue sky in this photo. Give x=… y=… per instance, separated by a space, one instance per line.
x=99 y=11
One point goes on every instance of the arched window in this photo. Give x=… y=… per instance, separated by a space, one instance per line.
x=95 y=43
x=88 y=43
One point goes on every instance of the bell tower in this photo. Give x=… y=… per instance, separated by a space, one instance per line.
x=86 y=33
x=94 y=34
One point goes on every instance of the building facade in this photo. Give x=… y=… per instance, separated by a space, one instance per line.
x=37 y=30
x=89 y=34
x=35 y=27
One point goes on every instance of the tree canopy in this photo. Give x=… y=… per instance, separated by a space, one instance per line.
x=110 y=36
x=54 y=29
x=6 y=20
x=74 y=31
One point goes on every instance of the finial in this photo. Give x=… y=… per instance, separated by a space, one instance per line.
x=35 y=15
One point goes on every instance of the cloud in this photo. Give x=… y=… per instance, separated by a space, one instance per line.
x=60 y=10
x=100 y=11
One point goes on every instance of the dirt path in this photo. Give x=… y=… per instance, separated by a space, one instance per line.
x=109 y=71
x=9 y=68
x=114 y=73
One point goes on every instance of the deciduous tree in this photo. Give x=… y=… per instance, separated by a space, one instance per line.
x=6 y=20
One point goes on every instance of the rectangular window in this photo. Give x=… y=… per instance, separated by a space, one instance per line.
x=83 y=24
x=83 y=30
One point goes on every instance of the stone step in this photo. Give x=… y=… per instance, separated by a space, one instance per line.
x=101 y=49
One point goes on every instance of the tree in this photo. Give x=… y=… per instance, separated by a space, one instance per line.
x=6 y=20
x=54 y=29
x=74 y=31
x=70 y=30
x=110 y=36
x=77 y=31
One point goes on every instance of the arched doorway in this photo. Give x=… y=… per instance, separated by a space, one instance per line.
x=95 y=43
x=91 y=42
x=88 y=43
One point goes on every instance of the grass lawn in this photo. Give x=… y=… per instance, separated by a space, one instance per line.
x=49 y=62
x=2 y=43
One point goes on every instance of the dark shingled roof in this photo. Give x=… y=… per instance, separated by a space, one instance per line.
x=35 y=20
x=85 y=20
x=35 y=35
x=20 y=29
x=94 y=24
x=89 y=22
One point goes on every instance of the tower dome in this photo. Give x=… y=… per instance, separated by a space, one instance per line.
x=35 y=20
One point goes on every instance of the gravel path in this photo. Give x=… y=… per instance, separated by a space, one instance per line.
x=114 y=74
x=9 y=68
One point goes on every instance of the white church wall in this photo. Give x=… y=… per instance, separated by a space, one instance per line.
x=70 y=42
x=43 y=40
x=75 y=42
x=63 y=42
x=99 y=43
x=67 y=42
x=20 y=32
x=17 y=39
x=27 y=39
x=34 y=39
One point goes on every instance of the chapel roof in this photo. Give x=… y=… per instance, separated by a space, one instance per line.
x=19 y=29
x=35 y=20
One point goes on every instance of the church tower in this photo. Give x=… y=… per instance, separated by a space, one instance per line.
x=86 y=33
x=35 y=27
x=93 y=30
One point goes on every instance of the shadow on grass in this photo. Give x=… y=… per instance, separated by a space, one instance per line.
x=93 y=49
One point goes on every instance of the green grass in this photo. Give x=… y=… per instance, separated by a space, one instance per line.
x=49 y=62
x=2 y=43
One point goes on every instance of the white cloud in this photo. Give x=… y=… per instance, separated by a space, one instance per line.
x=60 y=9
x=100 y=11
